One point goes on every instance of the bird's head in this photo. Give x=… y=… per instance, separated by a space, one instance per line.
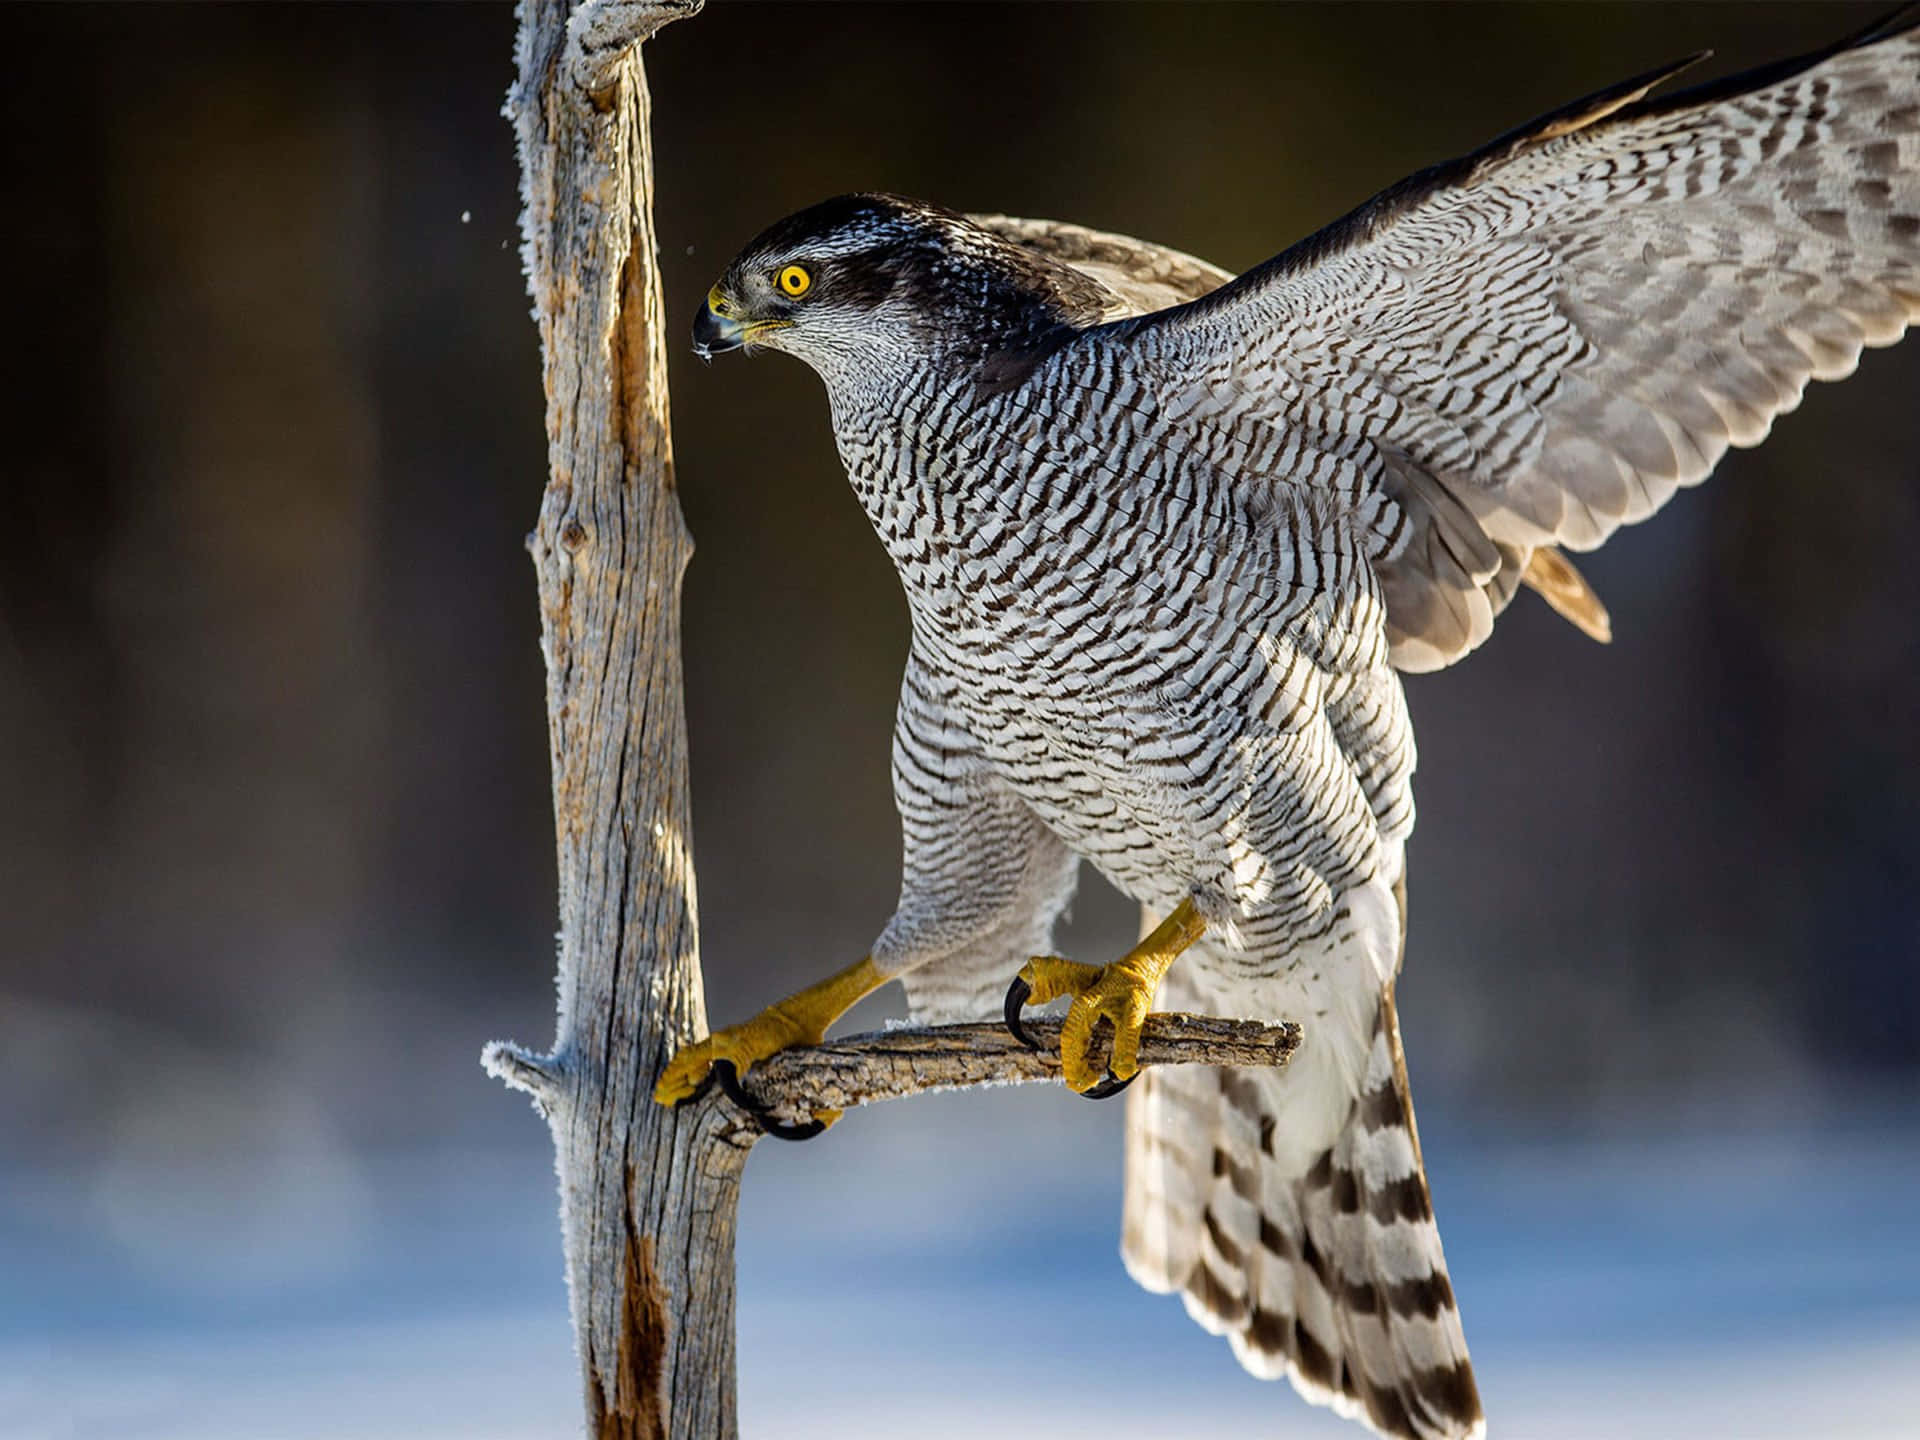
x=863 y=280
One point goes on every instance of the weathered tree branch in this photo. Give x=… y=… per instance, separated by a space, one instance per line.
x=648 y=1195
x=905 y=1060
x=896 y=1063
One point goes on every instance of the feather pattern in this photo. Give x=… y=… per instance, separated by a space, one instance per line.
x=1168 y=537
x=1544 y=341
x=1305 y=1235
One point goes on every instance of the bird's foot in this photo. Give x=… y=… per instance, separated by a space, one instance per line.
x=1110 y=991
x=1044 y=978
x=1120 y=993
x=727 y=1055
x=762 y=1114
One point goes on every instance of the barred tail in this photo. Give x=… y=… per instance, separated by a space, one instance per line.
x=1329 y=1273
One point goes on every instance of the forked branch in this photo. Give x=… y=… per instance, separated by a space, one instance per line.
x=905 y=1060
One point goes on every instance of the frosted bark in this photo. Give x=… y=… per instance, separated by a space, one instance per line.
x=646 y=1194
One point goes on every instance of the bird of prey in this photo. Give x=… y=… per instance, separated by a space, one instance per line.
x=1168 y=539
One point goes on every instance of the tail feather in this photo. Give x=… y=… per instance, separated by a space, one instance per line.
x=1332 y=1276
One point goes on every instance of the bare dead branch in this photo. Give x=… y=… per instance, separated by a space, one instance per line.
x=895 y=1063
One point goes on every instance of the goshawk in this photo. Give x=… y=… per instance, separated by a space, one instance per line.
x=1168 y=538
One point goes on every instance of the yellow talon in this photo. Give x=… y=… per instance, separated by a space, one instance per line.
x=766 y=1034
x=800 y=1019
x=1122 y=993
x=1121 y=996
x=1049 y=977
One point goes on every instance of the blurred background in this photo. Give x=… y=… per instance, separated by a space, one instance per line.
x=275 y=834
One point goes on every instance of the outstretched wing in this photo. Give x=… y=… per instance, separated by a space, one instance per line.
x=1140 y=277
x=1540 y=342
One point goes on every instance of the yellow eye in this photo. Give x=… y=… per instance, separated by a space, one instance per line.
x=795 y=280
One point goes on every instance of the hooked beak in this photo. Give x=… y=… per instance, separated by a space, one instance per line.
x=715 y=331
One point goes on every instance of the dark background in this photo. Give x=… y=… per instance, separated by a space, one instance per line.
x=275 y=837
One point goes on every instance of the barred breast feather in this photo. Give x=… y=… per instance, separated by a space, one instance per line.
x=1291 y=1219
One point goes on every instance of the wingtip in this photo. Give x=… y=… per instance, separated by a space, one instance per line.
x=1896 y=21
x=1598 y=106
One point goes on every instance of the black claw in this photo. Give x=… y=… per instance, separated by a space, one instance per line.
x=729 y=1078
x=1017 y=994
x=780 y=1130
x=1109 y=1087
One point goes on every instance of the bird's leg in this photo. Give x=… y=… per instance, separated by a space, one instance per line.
x=800 y=1019
x=1121 y=992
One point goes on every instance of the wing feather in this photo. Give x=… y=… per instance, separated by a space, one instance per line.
x=1141 y=277
x=1545 y=340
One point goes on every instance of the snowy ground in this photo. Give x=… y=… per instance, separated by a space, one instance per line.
x=956 y=1259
